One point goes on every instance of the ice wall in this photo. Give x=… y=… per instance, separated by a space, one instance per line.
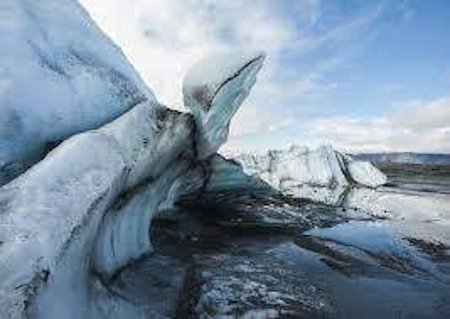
x=289 y=169
x=322 y=174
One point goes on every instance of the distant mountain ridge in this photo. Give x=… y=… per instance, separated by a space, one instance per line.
x=404 y=157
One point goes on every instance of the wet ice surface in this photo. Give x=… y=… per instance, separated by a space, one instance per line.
x=243 y=255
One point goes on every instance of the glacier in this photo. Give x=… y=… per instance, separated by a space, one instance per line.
x=325 y=175
x=88 y=156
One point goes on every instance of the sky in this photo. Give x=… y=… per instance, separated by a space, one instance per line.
x=365 y=76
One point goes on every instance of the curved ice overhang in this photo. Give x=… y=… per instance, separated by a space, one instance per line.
x=213 y=90
x=70 y=192
x=231 y=85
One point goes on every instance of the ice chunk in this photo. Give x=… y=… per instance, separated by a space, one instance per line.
x=213 y=90
x=83 y=212
x=300 y=171
x=228 y=174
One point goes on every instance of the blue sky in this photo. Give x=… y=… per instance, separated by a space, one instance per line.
x=362 y=75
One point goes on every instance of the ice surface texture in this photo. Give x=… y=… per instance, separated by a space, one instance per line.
x=59 y=75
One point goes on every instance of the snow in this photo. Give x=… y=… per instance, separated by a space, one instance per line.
x=60 y=75
x=213 y=90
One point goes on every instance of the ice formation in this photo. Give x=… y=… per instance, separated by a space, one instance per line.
x=82 y=213
x=322 y=174
x=213 y=90
x=229 y=175
x=327 y=176
x=364 y=173
x=289 y=169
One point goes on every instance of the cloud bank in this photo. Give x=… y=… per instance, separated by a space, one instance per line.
x=416 y=126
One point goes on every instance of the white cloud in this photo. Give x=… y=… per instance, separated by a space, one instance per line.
x=420 y=127
x=254 y=120
x=422 y=117
x=163 y=38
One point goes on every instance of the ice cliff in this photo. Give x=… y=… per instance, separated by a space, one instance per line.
x=105 y=157
x=322 y=167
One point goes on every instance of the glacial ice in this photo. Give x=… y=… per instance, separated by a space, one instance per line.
x=322 y=174
x=296 y=167
x=83 y=212
x=228 y=174
x=60 y=75
x=213 y=90
x=364 y=173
